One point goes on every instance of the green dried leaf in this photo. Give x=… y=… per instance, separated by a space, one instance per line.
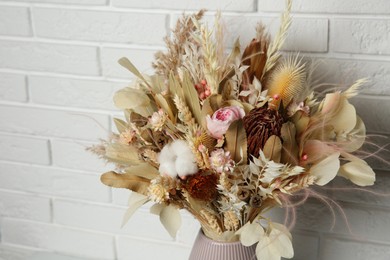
x=126 y=181
x=236 y=142
x=126 y=63
x=165 y=106
x=120 y=125
x=136 y=200
x=130 y=98
x=171 y=220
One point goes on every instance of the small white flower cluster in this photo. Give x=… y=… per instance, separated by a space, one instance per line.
x=177 y=159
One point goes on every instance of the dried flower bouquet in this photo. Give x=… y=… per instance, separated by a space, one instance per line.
x=229 y=136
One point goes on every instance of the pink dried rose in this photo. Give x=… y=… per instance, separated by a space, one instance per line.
x=220 y=121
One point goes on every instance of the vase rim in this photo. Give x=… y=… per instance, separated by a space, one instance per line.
x=203 y=235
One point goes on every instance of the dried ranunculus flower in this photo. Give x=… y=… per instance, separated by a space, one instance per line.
x=220 y=121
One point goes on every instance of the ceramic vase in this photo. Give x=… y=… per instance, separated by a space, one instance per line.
x=207 y=249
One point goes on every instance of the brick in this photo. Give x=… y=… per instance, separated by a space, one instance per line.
x=13 y=87
x=338 y=248
x=305 y=35
x=109 y=219
x=24 y=149
x=188 y=230
x=376 y=195
x=374 y=112
x=24 y=206
x=95 y=94
x=8 y=252
x=123 y=27
x=73 y=155
x=139 y=249
x=329 y=6
x=224 y=5
x=120 y=196
x=345 y=72
x=53 y=182
x=142 y=59
x=15 y=27
x=49 y=57
x=58 y=238
x=365 y=36
x=56 y=123
x=73 y=2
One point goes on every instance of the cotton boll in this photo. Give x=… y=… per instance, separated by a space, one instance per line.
x=166 y=155
x=180 y=147
x=185 y=167
x=168 y=168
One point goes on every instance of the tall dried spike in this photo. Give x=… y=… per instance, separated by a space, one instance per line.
x=212 y=221
x=231 y=221
x=273 y=53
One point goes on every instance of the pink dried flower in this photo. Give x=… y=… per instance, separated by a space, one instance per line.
x=219 y=123
x=158 y=119
x=220 y=161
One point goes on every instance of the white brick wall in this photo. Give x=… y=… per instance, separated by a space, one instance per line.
x=58 y=72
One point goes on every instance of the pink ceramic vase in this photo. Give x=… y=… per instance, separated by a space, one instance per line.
x=207 y=249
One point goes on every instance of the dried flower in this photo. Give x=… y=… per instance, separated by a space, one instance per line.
x=220 y=121
x=202 y=186
x=220 y=161
x=157 y=120
x=127 y=136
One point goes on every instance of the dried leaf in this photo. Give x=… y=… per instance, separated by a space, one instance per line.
x=171 y=220
x=136 y=200
x=122 y=154
x=356 y=137
x=125 y=181
x=250 y=233
x=120 y=125
x=126 y=63
x=290 y=147
x=157 y=208
x=345 y=120
x=281 y=240
x=174 y=86
x=191 y=98
x=130 y=98
x=162 y=102
x=326 y=170
x=273 y=148
x=144 y=170
x=359 y=172
x=236 y=142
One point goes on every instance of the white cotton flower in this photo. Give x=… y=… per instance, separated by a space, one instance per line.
x=177 y=159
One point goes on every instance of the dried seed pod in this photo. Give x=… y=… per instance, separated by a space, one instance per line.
x=255 y=201
x=244 y=194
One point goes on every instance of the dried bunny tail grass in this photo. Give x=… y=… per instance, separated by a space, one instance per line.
x=231 y=221
x=171 y=60
x=288 y=80
x=273 y=53
x=212 y=222
x=98 y=149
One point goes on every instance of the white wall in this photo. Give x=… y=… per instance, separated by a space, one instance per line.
x=58 y=72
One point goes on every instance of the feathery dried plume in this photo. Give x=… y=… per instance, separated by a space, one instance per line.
x=171 y=60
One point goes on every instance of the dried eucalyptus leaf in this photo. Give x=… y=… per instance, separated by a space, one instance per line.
x=326 y=170
x=136 y=200
x=250 y=233
x=130 y=98
x=171 y=219
x=359 y=172
x=125 y=181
